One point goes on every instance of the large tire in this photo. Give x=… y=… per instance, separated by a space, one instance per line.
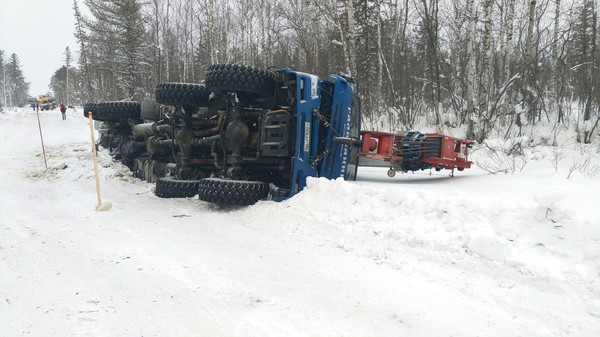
x=240 y=78
x=169 y=187
x=116 y=111
x=182 y=94
x=89 y=107
x=232 y=192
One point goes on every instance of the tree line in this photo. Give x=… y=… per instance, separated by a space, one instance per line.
x=491 y=67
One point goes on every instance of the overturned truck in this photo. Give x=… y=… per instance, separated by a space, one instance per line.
x=243 y=135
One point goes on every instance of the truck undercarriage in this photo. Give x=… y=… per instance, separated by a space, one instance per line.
x=243 y=135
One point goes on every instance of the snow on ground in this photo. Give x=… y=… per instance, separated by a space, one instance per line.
x=415 y=255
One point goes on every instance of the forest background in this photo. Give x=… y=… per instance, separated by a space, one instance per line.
x=491 y=68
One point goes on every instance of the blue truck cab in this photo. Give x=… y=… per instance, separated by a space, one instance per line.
x=324 y=109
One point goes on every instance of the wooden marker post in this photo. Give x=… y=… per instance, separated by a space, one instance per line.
x=100 y=206
x=42 y=138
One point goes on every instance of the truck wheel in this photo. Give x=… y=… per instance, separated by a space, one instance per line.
x=182 y=94
x=232 y=192
x=169 y=187
x=116 y=111
x=241 y=78
x=89 y=107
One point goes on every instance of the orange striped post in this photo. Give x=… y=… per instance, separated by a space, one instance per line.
x=95 y=159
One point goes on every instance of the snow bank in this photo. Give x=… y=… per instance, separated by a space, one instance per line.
x=537 y=238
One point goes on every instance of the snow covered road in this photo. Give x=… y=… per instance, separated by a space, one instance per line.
x=417 y=255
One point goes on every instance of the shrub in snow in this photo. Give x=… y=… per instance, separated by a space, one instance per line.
x=557 y=156
x=585 y=164
x=502 y=156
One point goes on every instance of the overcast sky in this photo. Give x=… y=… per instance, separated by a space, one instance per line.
x=38 y=31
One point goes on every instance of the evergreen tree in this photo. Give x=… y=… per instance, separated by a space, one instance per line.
x=115 y=48
x=2 y=79
x=67 y=60
x=18 y=89
x=87 y=90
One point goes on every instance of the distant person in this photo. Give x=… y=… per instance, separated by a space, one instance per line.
x=63 y=111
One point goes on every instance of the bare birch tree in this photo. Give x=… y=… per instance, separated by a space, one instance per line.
x=470 y=92
x=527 y=65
